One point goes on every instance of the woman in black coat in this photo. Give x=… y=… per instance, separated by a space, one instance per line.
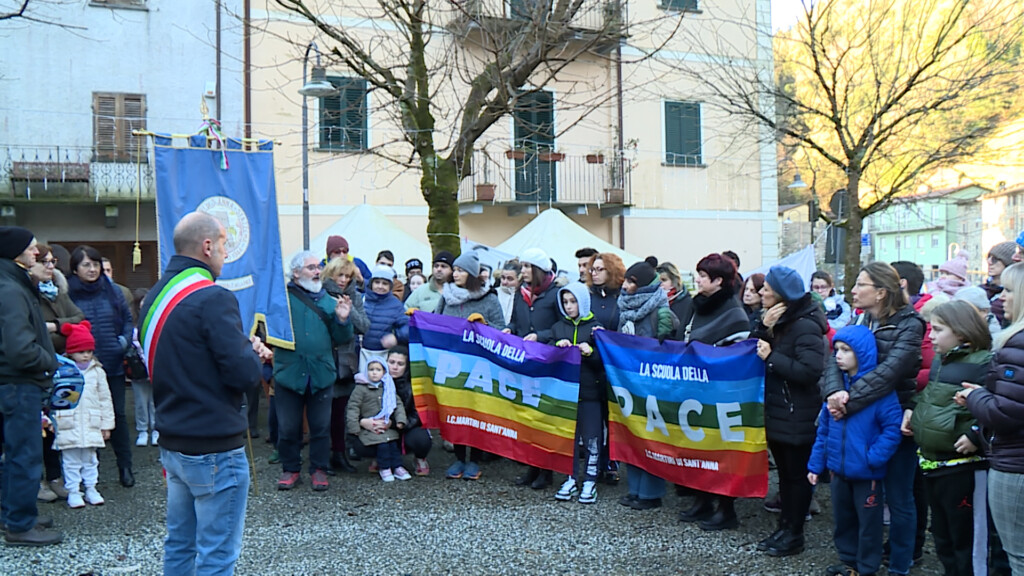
x=791 y=341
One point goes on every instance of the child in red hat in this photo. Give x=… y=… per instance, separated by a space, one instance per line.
x=78 y=433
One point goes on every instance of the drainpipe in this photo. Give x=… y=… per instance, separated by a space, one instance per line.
x=218 y=62
x=247 y=68
x=620 y=142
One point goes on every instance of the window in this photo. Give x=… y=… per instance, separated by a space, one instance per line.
x=935 y=240
x=114 y=116
x=680 y=5
x=137 y=4
x=682 y=134
x=534 y=121
x=908 y=242
x=920 y=241
x=343 y=117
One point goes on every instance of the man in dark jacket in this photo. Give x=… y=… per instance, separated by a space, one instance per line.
x=201 y=364
x=27 y=362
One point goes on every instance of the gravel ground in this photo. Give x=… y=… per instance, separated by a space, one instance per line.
x=423 y=526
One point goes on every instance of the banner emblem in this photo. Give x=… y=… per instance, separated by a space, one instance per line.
x=235 y=222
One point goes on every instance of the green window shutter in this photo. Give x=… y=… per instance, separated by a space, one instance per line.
x=535 y=121
x=343 y=117
x=682 y=134
x=681 y=5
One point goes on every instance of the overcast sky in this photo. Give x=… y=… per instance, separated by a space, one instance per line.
x=785 y=13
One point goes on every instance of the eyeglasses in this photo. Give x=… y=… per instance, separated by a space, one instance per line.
x=864 y=285
x=597 y=269
x=49 y=262
x=313 y=267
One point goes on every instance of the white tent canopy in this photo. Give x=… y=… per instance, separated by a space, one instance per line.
x=560 y=238
x=369 y=231
x=801 y=261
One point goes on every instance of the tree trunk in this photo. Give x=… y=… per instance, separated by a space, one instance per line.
x=854 y=222
x=440 y=186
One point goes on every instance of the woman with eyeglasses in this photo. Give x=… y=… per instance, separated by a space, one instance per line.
x=898 y=333
x=57 y=309
x=109 y=313
x=1000 y=257
x=607 y=272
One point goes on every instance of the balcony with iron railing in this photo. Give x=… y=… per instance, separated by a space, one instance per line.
x=72 y=173
x=519 y=178
x=601 y=23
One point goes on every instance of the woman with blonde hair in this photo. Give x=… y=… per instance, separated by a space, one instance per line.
x=999 y=408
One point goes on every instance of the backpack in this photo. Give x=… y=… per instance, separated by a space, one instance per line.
x=68 y=383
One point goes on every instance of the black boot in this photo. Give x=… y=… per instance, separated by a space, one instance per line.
x=702 y=509
x=723 y=519
x=339 y=463
x=529 y=477
x=127 y=478
x=787 y=544
x=543 y=480
x=768 y=542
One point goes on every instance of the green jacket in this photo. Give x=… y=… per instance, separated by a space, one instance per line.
x=937 y=420
x=312 y=360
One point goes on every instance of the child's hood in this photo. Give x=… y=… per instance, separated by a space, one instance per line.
x=861 y=340
x=582 y=295
x=362 y=378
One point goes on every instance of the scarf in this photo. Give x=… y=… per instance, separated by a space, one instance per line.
x=77 y=288
x=388 y=401
x=49 y=290
x=455 y=295
x=646 y=300
x=705 y=305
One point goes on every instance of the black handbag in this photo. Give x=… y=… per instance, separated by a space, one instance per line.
x=135 y=368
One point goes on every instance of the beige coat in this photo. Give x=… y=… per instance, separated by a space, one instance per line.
x=366 y=402
x=82 y=427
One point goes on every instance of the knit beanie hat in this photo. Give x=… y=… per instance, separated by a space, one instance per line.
x=957 y=266
x=1004 y=252
x=538 y=258
x=444 y=256
x=413 y=263
x=642 y=274
x=785 y=282
x=79 y=337
x=469 y=262
x=976 y=296
x=13 y=241
x=335 y=243
x=383 y=273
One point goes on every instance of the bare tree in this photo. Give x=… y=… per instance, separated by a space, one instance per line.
x=879 y=94
x=449 y=70
x=35 y=11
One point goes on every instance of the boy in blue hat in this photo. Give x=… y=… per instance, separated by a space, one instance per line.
x=856 y=449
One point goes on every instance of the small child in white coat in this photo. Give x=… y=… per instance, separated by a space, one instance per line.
x=82 y=430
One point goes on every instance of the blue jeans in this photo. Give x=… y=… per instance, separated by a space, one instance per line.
x=20 y=405
x=206 y=499
x=289 y=427
x=899 y=496
x=643 y=484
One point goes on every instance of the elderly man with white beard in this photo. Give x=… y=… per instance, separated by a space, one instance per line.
x=304 y=376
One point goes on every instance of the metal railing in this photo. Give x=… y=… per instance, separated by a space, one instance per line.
x=71 y=173
x=524 y=177
x=609 y=16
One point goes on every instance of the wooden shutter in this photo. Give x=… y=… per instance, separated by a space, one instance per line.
x=683 y=5
x=343 y=117
x=115 y=115
x=534 y=120
x=682 y=133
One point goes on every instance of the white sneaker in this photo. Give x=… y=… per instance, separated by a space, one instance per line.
x=386 y=475
x=92 y=496
x=75 y=500
x=402 y=474
x=589 y=493
x=143 y=439
x=568 y=489
x=154 y=437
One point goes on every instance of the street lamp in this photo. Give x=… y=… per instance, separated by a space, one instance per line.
x=316 y=87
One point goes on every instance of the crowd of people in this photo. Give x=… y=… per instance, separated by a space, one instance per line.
x=905 y=397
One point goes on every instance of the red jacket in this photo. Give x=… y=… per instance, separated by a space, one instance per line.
x=927 y=351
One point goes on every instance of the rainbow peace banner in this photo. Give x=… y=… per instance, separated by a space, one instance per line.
x=692 y=414
x=495 y=391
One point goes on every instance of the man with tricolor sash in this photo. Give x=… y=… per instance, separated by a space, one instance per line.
x=201 y=363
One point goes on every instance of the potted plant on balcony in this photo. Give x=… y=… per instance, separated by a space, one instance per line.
x=550 y=156
x=485 y=192
x=595 y=158
x=515 y=154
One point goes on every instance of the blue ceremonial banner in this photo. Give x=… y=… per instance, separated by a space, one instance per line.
x=236 y=186
x=692 y=414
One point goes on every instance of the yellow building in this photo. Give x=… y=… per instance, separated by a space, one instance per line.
x=691 y=180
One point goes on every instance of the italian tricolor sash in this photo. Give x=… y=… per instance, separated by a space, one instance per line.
x=184 y=283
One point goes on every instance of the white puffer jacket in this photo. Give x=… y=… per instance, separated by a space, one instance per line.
x=83 y=426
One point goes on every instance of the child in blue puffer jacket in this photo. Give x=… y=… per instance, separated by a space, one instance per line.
x=856 y=448
x=389 y=324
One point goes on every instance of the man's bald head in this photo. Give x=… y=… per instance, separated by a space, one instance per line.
x=193 y=230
